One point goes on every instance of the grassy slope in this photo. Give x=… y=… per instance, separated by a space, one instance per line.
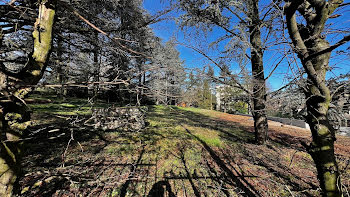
x=185 y=151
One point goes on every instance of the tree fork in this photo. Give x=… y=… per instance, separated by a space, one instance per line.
x=311 y=48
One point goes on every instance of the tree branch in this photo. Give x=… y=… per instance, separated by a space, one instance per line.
x=300 y=47
x=329 y=49
x=115 y=39
x=218 y=65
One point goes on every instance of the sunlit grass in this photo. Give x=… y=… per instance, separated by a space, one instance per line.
x=60 y=106
x=183 y=142
x=210 y=137
x=206 y=112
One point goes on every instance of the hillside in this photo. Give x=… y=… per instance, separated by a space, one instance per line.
x=182 y=152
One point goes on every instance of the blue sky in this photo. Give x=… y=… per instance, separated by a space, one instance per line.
x=168 y=29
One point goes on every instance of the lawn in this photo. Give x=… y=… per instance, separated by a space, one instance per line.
x=182 y=152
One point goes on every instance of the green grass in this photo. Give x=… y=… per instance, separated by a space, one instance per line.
x=59 y=106
x=60 y=109
x=205 y=112
x=68 y=105
x=211 y=141
x=178 y=142
x=169 y=128
x=168 y=136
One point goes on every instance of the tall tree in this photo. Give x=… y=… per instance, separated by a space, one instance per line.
x=167 y=75
x=110 y=44
x=206 y=96
x=259 y=86
x=314 y=52
x=14 y=88
x=236 y=18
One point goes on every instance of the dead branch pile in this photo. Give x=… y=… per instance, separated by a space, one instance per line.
x=130 y=119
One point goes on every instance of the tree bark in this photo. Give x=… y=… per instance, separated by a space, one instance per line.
x=139 y=92
x=259 y=89
x=96 y=76
x=323 y=135
x=310 y=45
x=61 y=76
x=13 y=88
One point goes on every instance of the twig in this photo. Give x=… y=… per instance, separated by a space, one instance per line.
x=289 y=191
x=65 y=151
x=291 y=160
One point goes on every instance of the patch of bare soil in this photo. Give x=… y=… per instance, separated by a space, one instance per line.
x=284 y=156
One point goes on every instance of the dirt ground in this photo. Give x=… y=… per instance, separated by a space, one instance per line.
x=278 y=130
x=183 y=152
x=293 y=138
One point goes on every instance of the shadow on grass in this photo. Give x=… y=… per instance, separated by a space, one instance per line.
x=286 y=140
x=232 y=132
x=65 y=107
x=141 y=175
x=131 y=174
x=235 y=133
x=189 y=177
x=235 y=176
x=45 y=152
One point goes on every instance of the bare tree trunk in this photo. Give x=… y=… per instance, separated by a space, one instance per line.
x=15 y=116
x=314 y=52
x=139 y=94
x=60 y=69
x=323 y=135
x=96 y=67
x=211 y=101
x=259 y=89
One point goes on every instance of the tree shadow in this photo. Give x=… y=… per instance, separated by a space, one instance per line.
x=52 y=140
x=280 y=171
x=134 y=174
x=45 y=168
x=297 y=183
x=235 y=176
x=192 y=181
x=131 y=174
x=189 y=177
x=290 y=141
x=229 y=131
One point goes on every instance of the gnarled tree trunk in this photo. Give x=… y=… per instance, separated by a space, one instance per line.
x=323 y=134
x=14 y=88
x=314 y=52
